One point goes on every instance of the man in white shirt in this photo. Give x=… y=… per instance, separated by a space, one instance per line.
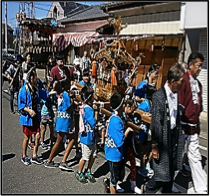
x=85 y=62
x=26 y=67
x=166 y=133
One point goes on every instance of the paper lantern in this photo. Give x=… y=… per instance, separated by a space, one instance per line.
x=136 y=46
x=151 y=48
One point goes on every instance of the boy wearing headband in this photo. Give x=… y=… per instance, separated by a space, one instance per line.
x=115 y=137
x=87 y=124
x=85 y=79
x=130 y=106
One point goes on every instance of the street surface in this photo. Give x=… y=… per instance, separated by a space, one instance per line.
x=18 y=178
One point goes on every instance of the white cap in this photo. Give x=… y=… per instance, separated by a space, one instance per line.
x=76 y=61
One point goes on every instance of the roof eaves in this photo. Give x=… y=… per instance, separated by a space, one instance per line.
x=66 y=19
x=114 y=4
x=88 y=19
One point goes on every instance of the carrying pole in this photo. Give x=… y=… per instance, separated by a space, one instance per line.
x=6 y=43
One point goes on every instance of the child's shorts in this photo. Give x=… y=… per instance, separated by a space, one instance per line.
x=30 y=130
x=88 y=150
x=117 y=170
x=46 y=119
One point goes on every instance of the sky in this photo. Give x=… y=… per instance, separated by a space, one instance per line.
x=41 y=10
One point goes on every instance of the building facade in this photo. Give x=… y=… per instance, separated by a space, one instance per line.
x=195 y=22
x=10 y=36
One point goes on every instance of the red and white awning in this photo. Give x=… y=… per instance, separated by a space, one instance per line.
x=62 y=40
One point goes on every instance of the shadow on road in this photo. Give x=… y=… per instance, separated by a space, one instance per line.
x=7 y=156
x=102 y=170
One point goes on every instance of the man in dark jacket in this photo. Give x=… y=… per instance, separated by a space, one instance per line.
x=16 y=85
x=166 y=133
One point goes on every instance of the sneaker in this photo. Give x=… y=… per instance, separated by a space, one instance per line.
x=134 y=188
x=119 y=189
x=80 y=177
x=90 y=177
x=25 y=160
x=143 y=172
x=31 y=146
x=64 y=166
x=36 y=160
x=11 y=112
x=143 y=188
x=175 y=190
x=106 y=185
x=43 y=146
x=50 y=164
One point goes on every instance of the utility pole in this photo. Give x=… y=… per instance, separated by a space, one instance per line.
x=18 y=29
x=33 y=8
x=6 y=28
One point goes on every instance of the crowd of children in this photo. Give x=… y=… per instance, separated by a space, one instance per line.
x=75 y=119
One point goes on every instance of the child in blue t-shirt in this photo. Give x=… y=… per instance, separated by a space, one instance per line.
x=143 y=146
x=47 y=115
x=85 y=79
x=147 y=87
x=87 y=124
x=63 y=127
x=130 y=106
x=115 y=137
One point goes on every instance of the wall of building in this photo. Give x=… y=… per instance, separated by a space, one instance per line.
x=195 y=15
x=59 y=9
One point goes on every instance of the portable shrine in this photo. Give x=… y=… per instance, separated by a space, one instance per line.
x=117 y=67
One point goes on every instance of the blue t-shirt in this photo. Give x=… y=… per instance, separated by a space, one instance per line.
x=47 y=106
x=83 y=84
x=145 y=105
x=87 y=136
x=141 y=89
x=114 y=141
x=63 y=120
x=142 y=135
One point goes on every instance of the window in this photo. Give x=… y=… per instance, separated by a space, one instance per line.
x=58 y=13
x=55 y=12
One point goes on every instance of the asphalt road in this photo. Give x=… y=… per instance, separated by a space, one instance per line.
x=36 y=179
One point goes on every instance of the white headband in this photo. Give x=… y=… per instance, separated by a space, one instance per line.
x=88 y=97
x=119 y=105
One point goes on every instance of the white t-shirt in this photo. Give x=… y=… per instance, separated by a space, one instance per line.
x=24 y=67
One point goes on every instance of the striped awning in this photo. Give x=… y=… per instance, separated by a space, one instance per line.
x=62 y=40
